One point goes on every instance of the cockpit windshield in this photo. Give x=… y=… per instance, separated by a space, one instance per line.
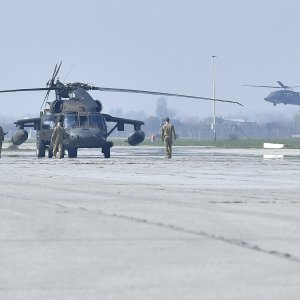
x=94 y=120
x=48 y=122
x=97 y=120
x=86 y=120
x=71 y=120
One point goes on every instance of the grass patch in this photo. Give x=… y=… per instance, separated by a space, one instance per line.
x=253 y=143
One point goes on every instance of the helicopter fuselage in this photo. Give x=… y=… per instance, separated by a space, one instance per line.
x=283 y=96
x=82 y=129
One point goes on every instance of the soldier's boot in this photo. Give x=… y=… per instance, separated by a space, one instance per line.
x=61 y=151
x=168 y=153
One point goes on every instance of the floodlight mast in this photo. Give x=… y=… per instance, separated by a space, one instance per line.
x=214 y=98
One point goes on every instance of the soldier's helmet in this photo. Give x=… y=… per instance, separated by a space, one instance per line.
x=167 y=120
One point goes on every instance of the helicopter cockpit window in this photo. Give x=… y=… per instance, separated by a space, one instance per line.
x=48 y=122
x=70 y=120
x=83 y=120
x=95 y=120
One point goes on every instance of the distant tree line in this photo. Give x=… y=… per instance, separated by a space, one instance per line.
x=227 y=128
x=194 y=127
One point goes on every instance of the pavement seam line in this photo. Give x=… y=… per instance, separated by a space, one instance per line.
x=232 y=241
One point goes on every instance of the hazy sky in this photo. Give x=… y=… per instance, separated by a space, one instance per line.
x=159 y=45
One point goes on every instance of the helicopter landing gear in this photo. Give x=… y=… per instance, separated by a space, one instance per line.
x=72 y=152
x=40 y=148
x=50 y=152
x=106 y=149
x=106 y=152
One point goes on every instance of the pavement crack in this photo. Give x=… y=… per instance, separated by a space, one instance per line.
x=232 y=241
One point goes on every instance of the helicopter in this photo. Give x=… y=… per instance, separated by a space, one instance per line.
x=285 y=95
x=82 y=118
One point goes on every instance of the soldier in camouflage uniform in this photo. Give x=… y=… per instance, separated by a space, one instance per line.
x=1 y=139
x=167 y=135
x=57 y=140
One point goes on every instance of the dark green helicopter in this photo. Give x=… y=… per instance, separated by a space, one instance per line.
x=82 y=118
x=285 y=95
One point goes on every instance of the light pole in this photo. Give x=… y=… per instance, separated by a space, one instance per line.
x=214 y=97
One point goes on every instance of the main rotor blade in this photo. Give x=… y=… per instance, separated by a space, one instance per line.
x=49 y=82
x=264 y=86
x=282 y=85
x=45 y=99
x=57 y=71
x=28 y=90
x=103 y=89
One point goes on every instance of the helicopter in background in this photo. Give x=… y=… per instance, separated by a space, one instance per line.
x=285 y=95
x=82 y=118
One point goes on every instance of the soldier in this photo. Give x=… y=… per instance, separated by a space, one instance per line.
x=1 y=139
x=57 y=140
x=167 y=135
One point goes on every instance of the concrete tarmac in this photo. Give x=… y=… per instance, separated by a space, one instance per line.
x=207 y=224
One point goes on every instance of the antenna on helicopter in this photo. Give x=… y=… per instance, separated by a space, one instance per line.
x=68 y=73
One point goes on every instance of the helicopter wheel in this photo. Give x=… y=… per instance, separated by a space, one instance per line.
x=40 y=149
x=106 y=151
x=50 y=152
x=72 y=152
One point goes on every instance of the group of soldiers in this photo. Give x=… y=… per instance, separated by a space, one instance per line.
x=167 y=136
